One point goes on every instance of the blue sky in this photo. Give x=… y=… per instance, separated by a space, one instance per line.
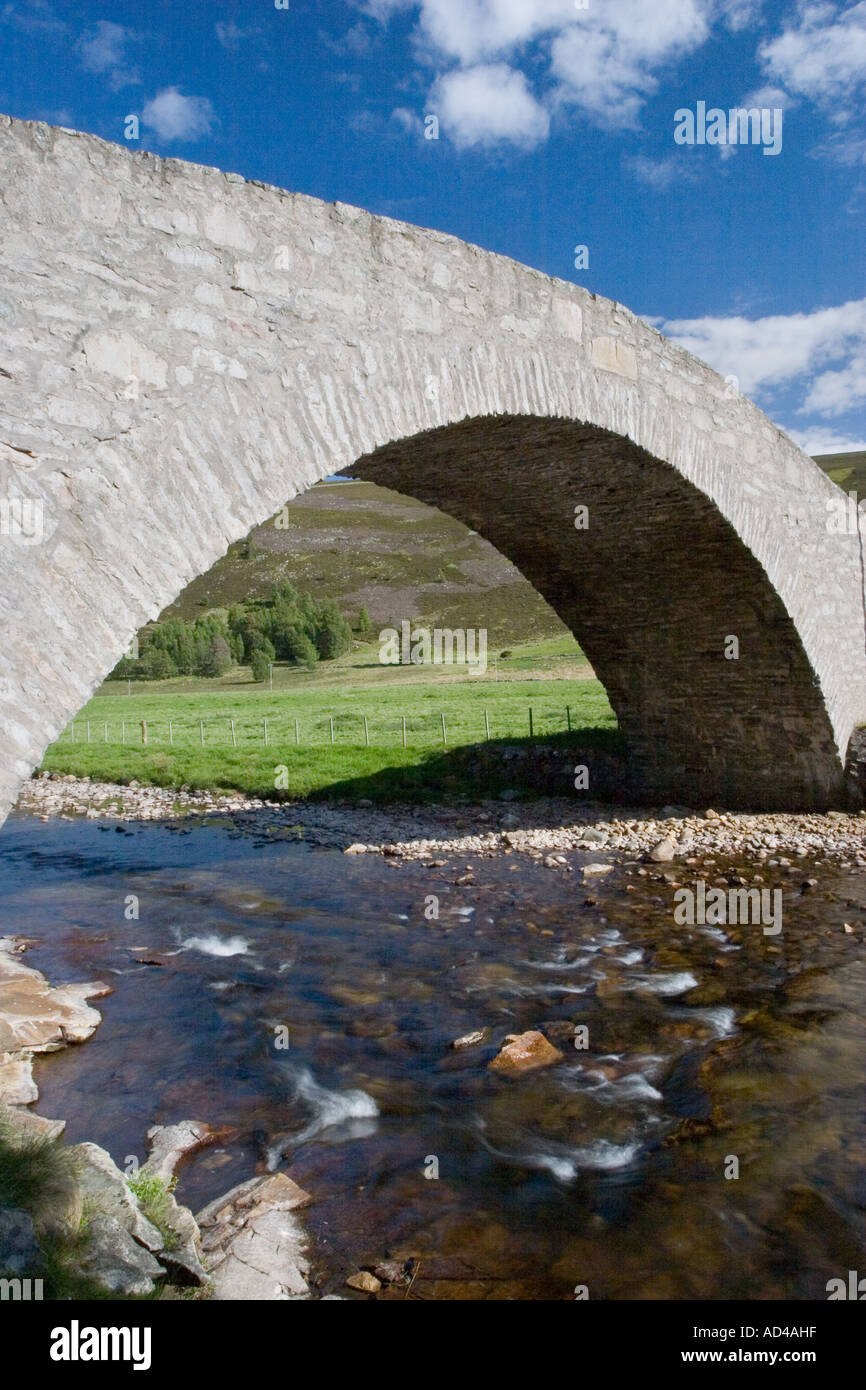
x=555 y=130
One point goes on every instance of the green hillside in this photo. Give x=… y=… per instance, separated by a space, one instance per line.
x=848 y=470
x=355 y=543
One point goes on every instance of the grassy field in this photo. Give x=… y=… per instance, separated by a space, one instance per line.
x=190 y=740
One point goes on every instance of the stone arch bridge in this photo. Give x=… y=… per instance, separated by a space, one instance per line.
x=182 y=349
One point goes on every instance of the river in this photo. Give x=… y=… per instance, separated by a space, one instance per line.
x=707 y=1142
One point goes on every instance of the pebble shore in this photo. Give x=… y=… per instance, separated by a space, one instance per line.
x=543 y=829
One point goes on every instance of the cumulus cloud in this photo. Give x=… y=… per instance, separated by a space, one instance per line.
x=827 y=346
x=604 y=60
x=173 y=116
x=609 y=63
x=821 y=54
x=488 y=104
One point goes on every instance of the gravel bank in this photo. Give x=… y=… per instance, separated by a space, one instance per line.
x=543 y=829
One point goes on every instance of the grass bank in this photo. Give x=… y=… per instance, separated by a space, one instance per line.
x=212 y=738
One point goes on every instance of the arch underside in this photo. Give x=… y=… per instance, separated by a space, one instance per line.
x=653 y=589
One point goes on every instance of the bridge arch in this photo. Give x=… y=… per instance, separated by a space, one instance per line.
x=183 y=349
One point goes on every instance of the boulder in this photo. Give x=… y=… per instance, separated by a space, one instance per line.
x=116 y=1262
x=102 y=1183
x=525 y=1052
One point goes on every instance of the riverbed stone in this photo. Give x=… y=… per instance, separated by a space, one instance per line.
x=664 y=850
x=524 y=1052
x=255 y=1247
x=473 y=1039
x=170 y=1144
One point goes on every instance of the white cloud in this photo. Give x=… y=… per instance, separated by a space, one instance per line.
x=816 y=441
x=661 y=173
x=103 y=49
x=230 y=34
x=779 y=349
x=406 y=121
x=608 y=64
x=822 y=54
x=174 y=116
x=604 y=60
x=843 y=147
x=835 y=392
x=741 y=14
x=489 y=104
x=768 y=98
x=355 y=43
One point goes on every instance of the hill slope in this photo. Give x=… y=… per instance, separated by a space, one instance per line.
x=357 y=543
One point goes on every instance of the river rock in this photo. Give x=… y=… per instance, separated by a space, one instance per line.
x=169 y=1144
x=664 y=850
x=525 y=1052
x=17 y=1086
x=471 y=1039
x=116 y=1262
x=364 y=1282
x=25 y=1125
x=255 y=1247
x=108 y=1191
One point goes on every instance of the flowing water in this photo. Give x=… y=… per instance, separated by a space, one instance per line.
x=309 y=1000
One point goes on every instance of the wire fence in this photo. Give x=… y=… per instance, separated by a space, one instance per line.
x=321 y=730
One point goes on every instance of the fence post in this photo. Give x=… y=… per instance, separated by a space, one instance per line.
x=530 y=721
x=201 y=731
x=487 y=724
x=366 y=732
x=265 y=722
x=123 y=731
x=444 y=735
x=234 y=735
x=88 y=731
x=332 y=728
x=404 y=731
x=568 y=716
x=144 y=731
x=105 y=732
x=170 y=733
x=297 y=733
